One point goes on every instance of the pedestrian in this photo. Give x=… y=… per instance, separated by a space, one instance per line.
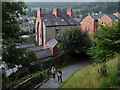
x=59 y=74
x=53 y=73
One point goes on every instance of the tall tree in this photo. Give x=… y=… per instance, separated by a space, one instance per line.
x=107 y=40
x=10 y=33
x=74 y=40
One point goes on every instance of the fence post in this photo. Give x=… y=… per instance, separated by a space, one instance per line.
x=48 y=72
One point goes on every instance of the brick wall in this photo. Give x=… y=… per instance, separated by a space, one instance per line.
x=86 y=25
x=106 y=19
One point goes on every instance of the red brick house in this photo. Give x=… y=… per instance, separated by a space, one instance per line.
x=50 y=26
x=107 y=19
x=90 y=23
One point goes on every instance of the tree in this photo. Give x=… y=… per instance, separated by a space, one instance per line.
x=107 y=40
x=12 y=55
x=74 y=40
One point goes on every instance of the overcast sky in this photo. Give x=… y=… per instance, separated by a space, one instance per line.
x=65 y=0
x=72 y=0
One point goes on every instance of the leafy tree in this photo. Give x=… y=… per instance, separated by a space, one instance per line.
x=107 y=40
x=12 y=55
x=74 y=40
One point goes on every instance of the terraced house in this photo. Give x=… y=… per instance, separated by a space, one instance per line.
x=50 y=26
x=90 y=23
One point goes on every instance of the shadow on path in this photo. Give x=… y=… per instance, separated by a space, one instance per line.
x=67 y=72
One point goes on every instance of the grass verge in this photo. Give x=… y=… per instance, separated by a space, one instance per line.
x=89 y=77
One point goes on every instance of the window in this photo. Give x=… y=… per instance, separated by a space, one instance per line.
x=88 y=29
x=57 y=31
x=89 y=22
x=103 y=22
x=62 y=19
x=116 y=20
x=70 y=20
x=45 y=20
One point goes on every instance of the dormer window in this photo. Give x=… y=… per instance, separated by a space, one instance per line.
x=89 y=22
x=103 y=23
x=70 y=20
x=45 y=20
x=63 y=20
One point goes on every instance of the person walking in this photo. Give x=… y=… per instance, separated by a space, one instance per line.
x=59 y=74
x=53 y=73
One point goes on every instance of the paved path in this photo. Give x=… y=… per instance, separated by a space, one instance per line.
x=67 y=72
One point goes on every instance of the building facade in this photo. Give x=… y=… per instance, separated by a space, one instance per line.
x=90 y=23
x=50 y=26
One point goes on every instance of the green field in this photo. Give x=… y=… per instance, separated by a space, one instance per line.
x=36 y=8
x=89 y=77
x=74 y=10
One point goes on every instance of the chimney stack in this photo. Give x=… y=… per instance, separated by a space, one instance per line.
x=55 y=11
x=39 y=12
x=69 y=12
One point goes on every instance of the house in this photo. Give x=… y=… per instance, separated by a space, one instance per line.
x=50 y=26
x=27 y=27
x=90 y=23
x=107 y=19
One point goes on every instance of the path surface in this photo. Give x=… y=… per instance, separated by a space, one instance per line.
x=67 y=72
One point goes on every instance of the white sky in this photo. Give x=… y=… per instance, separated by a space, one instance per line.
x=63 y=0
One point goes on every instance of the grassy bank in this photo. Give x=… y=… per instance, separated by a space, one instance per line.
x=89 y=77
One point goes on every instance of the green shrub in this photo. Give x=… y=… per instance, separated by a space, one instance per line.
x=107 y=40
x=88 y=77
x=74 y=40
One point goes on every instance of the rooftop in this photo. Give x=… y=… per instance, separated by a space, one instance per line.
x=61 y=20
x=52 y=43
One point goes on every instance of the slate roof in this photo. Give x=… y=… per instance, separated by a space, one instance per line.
x=97 y=17
x=94 y=17
x=113 y=17
x=35 y=48
x=61 y=20
x=44 y=53
x=26 y=45
x=52 y=42
x=39 y=50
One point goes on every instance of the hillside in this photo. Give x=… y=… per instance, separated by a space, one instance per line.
x=89 y=77
x=79 y=8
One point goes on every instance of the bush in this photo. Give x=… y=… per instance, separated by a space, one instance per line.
x=74 y=40
x=107 y=40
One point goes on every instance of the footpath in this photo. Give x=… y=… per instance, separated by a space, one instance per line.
x=67 y=72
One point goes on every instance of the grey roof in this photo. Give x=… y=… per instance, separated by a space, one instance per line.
x=113 y=17
x=100 y=15
x=26 y=45
x=61 y=20
x=52 y=42
x=44 y=53
x=26 y=24
x=35 y=48
x=97 y=17
x=94 y=17
x=39 y=50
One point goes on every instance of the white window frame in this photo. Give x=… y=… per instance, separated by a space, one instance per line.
x=103 y=22
x=89 y=22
